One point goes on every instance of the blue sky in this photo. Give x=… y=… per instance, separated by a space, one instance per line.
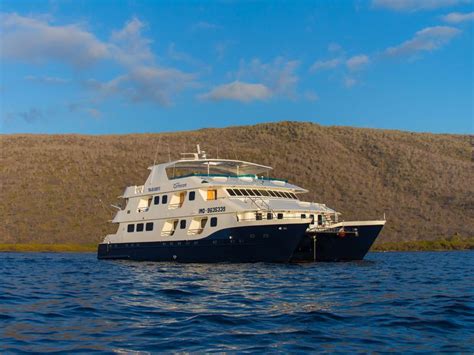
x=103 y=67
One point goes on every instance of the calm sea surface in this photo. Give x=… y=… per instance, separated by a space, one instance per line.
x=390 y=302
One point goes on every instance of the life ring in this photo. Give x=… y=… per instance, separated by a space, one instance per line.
x=341 y=233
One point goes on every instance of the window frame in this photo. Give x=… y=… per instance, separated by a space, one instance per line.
x=148 y=226
x=132 y=229
x=140 y=227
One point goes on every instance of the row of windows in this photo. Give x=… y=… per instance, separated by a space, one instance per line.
x=164 y=200
x=139 y=227
x=149 y=226
x=252 y=192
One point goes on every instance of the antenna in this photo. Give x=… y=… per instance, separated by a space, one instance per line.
x=156 y=151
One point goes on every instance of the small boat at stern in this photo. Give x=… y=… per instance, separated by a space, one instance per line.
x=205 y=210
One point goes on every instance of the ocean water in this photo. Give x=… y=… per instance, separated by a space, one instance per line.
x=390 y=302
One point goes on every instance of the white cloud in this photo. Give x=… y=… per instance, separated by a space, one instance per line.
x=357 y=62
x=428 y=39
x=279 y=75
x=334 y=47
x=47 y=79
x=457 y=17
x=349 y=82
x=146 y=84
x=320 y=65
x=311 y=96
x=238 y=91
x=414 y=5
x=93 y=112
x=35 y=40
x=129 y=47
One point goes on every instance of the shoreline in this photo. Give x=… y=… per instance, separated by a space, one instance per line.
x=445 y=244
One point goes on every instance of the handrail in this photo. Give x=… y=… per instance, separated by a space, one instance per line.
x=228 y=176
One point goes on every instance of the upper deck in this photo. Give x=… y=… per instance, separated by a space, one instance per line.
x=192 y=172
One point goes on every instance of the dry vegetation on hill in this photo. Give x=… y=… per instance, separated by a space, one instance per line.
x=51 y=185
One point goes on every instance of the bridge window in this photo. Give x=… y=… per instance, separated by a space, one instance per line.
x=294 y=196
x=244 y=192
x=149 y=227
x=272 y=193
x=131 y=228
x=192 y=195
x=257 y=193
x=157 y=200
x=231 y=192
x=139 y=227
x=264 y=192
x=251 y=192
x=237 y=192
x=287 y=194
x=213 y=221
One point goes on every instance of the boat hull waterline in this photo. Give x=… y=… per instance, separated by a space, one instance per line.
x=270 y=243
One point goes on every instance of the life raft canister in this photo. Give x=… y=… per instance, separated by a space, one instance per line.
x=341 y=233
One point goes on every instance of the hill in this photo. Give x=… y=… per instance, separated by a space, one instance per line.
x=52 y=185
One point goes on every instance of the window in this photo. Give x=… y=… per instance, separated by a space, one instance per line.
x=294 y=196
x=157 y=200
x=244 y=192
x=213 y=221
x=211 y=195
x=303 y=216
x=192 y=195
x=279 y=194
x=269 y=215
x=237 y=192
x=312 y=218
x=264 y=193
x=257 y=193
x=164 y=199
x=251 y=193
x=231 y=192
x=320 y=220
x=272 y=193
x=203 y=223
x=288 y=195
x=280 y=215
x=149 y=226
x=182 y=224
x=131 y=228
x=139 y=227
x=258 y=216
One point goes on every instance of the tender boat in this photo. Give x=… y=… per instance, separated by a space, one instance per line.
x=198 y=209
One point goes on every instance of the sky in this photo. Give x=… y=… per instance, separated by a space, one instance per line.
x=116 y=67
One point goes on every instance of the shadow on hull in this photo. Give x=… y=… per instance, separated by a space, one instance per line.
x=353 y=244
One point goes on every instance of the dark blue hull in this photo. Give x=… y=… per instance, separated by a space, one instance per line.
x=331 y=246
x=271 y=243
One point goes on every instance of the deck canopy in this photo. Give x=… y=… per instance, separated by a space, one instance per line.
x=214 y=167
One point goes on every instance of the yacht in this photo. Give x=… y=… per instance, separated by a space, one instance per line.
x=198 y=209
